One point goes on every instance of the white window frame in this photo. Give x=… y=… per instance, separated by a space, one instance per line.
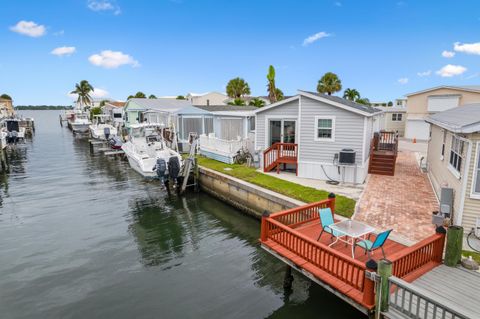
x=315 y=132
x=396 y=117
x=453 y=169
x=281 y=118
x=474 y=194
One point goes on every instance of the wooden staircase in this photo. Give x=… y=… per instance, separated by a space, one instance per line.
x=280 y=153
x=383 y=153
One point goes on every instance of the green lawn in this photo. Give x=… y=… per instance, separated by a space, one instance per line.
x=344 y=206
x=475 y=256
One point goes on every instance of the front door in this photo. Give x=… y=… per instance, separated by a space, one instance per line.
x=282 y=131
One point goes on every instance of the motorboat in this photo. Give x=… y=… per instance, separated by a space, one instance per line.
x=79 y=122
x=101 y=129
x=146 y=148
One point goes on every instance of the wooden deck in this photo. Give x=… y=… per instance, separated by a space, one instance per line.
x=383 y=153
x=448 y=290
x=292 y=236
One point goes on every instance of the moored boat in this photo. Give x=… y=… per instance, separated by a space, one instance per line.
x=79 y=122
x=146 y=147
x=101 y=128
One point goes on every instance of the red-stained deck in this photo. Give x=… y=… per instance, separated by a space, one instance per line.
x=292 y=236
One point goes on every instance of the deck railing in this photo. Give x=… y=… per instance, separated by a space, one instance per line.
x=279 y=153
x=414 y=302
x=385 y=141
x=412 y=258
x=279 y=227
x=223 y=147
x=348 y=270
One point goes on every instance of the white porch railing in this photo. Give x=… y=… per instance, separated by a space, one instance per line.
x=215 y=145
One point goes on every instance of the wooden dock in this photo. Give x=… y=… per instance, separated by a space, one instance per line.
x=291 y=236
x=442 y=293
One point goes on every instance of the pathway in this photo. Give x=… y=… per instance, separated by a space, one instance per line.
x=403 y=202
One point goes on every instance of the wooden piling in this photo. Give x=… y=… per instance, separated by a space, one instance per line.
x=288 y=279
x=383 y=287
x=369 y=283
x=453 y=252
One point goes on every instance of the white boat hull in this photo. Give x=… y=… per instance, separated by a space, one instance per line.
x=98 y=132
x=79 y=127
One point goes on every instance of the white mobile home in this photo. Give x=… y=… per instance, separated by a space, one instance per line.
x=313 y=129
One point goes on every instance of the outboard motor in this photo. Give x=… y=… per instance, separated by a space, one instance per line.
x=161 y=168
x=173 y=167
x=115 y=142
x=12 y=137
x=106 y=132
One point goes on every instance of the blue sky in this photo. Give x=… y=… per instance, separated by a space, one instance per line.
x=384 y=49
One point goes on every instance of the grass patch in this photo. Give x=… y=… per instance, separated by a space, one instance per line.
x=343 y=205
x=475 y=256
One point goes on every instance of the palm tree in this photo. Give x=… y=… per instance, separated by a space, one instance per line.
x=256 y=102
x=82 y=90
x=279 y=94
x=351 y=94
x=5 y=97
x=237 y=88
x=138 y=95
x=329 y=83
x=238 y=102
x=363 y=101
x=152 y=96
x=272 y=91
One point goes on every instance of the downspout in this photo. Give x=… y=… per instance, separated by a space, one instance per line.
x=459 y=216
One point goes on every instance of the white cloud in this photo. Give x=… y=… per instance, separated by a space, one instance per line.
x=96 y=94
x=315 y=37
x=403 y=80
x=469 y=48
x=448 y=54
x=112 y=59
x=337 y=4
x=450 y=70
x=424 y=73
x=61 y=51
x=29 y=28
x=104 y=5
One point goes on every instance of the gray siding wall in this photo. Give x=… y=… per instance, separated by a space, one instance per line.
x=348 y=132
x=288 y=110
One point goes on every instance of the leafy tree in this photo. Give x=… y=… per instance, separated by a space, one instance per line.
x=102 y=103
x=5 y=97
x=138 y=95
x=390 y=103
x=237 y=88
x=271 y=88
x=329 y=83
x=181 y=97
x=151 y=96
x=363 y=101
x=83 y=90
x=351 y=94
x=279 y=94
x=256 y=102
x=237 y=101
x=95 y=111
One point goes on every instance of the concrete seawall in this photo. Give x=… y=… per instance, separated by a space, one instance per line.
x=249 y=198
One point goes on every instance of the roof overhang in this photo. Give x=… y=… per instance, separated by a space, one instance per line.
x=268 y=107
x=339 y=105
x=466 y=129
x=443 y=87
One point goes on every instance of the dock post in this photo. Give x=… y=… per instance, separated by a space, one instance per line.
x=369 y=283
x=453 y=252
x=331 y=197
x=288 y=279
x=383 y=288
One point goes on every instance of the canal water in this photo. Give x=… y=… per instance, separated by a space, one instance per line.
x=83 y=236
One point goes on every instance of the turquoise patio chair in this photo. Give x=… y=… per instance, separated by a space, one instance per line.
x=370 y=246
x=326 y=220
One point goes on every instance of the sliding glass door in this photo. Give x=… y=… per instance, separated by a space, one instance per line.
x=282 y=131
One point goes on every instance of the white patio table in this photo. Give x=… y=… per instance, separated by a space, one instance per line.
x=352 y=230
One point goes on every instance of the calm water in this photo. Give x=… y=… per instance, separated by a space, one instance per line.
x=83 y=236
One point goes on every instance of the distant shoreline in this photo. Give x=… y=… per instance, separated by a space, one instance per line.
x=42 y=107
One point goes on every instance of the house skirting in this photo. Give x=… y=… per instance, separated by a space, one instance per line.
x=314 y=170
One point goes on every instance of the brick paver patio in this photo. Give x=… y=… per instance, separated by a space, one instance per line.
x=403 y=202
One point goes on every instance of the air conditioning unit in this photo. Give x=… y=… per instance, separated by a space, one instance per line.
x=347 y=156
